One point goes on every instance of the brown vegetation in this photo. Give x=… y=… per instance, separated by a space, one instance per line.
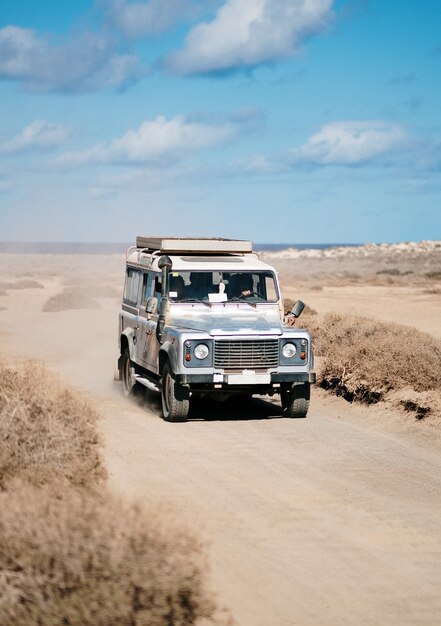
x=48 y=432
x=369 y=361
x=23 y=283
x=69 y=552
x=94 y=561
x=69 y=299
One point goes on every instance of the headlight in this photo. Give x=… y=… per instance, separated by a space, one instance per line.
x=289 y=350
x=201 y=351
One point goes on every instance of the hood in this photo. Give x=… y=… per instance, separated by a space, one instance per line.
x=229 y=320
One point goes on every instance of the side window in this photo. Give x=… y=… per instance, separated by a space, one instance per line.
x=131 y=288
x=158 y=287
x=147 y=283
x=270 y=289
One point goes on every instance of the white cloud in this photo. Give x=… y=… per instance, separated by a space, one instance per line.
x=155 y=140
x=351 y=143
x=88 y=62
x=135 y=19
x=39 y=135
x=246 y=33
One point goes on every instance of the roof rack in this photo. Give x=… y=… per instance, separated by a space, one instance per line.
x=205 y=245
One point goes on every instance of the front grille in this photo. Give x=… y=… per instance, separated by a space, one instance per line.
x=246 y=353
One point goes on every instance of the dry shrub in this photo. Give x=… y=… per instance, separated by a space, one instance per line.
x=85 y=560
x=434 y=291
x=365 y=359
x=69 y=299
x=48 y=432
x=394 y=272
x=23 y=283
x=433 y=275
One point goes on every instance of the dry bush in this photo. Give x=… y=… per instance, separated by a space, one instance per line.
x=394 y=272
x=365 y=359
x=23 y=283
x=69 y=299
x=26 y=283
x=85 y=560
x=48 y=432
x=434 y=291
x=433 y=275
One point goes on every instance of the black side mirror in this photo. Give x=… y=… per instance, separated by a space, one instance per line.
x=297 y=309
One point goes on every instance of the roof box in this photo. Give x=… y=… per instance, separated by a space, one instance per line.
x=206 y=245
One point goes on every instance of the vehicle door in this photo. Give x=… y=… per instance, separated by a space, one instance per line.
x=129 y=315
x=147 y=344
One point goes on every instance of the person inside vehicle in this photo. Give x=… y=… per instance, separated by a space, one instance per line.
x=197 y=287
x=242 y=286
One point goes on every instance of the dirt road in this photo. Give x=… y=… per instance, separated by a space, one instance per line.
x=324 y=521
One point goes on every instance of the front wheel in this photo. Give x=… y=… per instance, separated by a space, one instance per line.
x=295 y=400
x=128 y=374
x=175 y=398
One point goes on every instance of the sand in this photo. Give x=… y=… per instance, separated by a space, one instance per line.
x=329 y=520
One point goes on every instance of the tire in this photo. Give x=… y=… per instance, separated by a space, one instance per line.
x=175 y=398
x=127 y=371
x=295 y=400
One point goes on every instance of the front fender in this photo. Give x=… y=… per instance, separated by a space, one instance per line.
x=168 y=353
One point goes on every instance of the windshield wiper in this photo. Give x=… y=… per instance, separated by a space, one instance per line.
x=195 y=300
x=236 y=299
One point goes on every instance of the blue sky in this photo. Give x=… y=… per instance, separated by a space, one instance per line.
x=276 y=120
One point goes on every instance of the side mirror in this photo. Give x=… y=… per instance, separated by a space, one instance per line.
x=297 y=309
x=151 y=306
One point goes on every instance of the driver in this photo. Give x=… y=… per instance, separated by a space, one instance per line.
x=243 y=285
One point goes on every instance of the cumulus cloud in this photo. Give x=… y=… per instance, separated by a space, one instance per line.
x=246 y=33
x=351 y=143
x=87 y=62
x=158 y=140
x=136 y=19
x=344 y=143
x=39 y=135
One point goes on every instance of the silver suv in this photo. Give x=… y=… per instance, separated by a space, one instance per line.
x=205 y=317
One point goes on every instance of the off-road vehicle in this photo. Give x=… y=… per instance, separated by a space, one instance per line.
x=205 y=316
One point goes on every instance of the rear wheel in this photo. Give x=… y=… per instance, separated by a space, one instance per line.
x=175 y=398
x=128 y=374
x=295 y=400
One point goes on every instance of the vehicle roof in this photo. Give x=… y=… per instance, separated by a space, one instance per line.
x=200 y=262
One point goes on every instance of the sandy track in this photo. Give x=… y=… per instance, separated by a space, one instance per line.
x=327 y=520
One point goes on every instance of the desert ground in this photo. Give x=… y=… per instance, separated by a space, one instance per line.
x=329 y=520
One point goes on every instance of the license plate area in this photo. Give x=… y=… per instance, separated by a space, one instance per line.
x=248 y=378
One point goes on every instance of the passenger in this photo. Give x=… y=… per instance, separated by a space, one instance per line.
x=177 y=285
x=197 y=287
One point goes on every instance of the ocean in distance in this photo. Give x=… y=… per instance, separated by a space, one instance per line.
x=120 y=248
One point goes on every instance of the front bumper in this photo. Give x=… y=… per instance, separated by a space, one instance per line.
x=222 y=381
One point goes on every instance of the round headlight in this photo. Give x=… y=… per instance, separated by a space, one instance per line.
x=289 y=350
x=201 y=351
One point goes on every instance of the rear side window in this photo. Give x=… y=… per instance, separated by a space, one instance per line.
x=147 y=283
x=131 y=289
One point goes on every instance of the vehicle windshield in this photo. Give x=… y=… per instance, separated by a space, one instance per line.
x=216 y=286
